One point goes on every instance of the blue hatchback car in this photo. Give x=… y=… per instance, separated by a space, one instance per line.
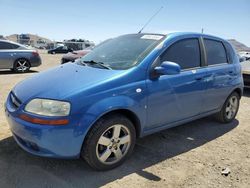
x=127 y=87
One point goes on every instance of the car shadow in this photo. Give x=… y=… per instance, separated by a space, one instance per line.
x=20 y=169
x=12 y=72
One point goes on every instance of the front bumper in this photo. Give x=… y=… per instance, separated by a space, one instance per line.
x=44 y=140
x=66 y=60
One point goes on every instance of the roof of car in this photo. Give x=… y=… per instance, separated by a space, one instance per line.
x=194 y=33
x=176 y=34
x=8 y=41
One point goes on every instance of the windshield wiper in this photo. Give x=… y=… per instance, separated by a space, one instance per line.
x=80 y=62
x=97 y=63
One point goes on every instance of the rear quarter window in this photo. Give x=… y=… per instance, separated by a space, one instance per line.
x=216 y=53
x=8 y=46
x=232 y=56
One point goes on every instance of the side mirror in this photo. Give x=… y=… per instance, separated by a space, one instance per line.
x=168 y=68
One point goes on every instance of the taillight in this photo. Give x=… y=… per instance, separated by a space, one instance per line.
x=35 y=53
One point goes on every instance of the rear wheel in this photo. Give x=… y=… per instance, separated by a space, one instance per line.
x=21 y=65
x=229 y=109
x=109 y=142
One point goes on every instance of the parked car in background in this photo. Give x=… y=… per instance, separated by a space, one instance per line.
x=17 y=57
x=60 y=50
x=72 y=56
x=245 y=64
x=97 y=107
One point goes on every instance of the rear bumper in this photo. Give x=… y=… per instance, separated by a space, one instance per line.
x=44 y=140
x=35 y=61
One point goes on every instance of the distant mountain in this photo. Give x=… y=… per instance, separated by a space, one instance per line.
x=238 y=45
x=31 y=36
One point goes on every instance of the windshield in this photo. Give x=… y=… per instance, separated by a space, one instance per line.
x=123 y=52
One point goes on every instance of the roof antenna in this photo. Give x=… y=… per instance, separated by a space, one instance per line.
x=150 y=19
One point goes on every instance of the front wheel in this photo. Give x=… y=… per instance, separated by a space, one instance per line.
x=109 y=142
x=229 y=109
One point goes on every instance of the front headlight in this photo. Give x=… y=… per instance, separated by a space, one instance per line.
x=48 y=107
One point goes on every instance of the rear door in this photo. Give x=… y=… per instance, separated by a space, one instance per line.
x=220 y=74
x=7 y=54
x=173 y=98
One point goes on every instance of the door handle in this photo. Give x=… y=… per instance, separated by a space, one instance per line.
x=198 y=78
x=232 y=73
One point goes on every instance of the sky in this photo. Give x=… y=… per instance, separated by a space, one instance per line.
x=97 y=20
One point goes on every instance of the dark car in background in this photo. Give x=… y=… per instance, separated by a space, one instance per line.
x=72 y=56
x=17 y=57
x=60 y=50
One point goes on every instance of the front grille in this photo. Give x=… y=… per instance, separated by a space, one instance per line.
x=15 y=101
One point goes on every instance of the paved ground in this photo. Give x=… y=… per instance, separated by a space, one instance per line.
x=191 y=155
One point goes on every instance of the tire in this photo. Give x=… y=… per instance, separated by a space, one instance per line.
x=21 y=65
x=229 y=109
x=109 y=143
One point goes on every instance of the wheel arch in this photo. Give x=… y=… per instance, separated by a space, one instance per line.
x=125 y=112
x=238 y=91
x=121 y=111
x=128 y=114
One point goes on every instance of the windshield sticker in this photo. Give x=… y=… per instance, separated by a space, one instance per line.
x=152 y=37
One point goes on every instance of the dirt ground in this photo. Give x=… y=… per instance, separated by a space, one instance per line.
x=192 y=155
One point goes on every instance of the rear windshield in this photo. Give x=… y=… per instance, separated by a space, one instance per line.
x=125 y=51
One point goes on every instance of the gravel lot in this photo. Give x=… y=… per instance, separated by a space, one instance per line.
x=192 y=155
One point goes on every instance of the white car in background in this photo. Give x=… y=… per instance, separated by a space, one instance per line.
x=245 y=65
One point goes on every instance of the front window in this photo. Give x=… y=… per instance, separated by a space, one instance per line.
x=125 y=51
x=185 y=52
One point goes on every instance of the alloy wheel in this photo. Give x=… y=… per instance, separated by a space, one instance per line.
x=22 y=65
x=113 y=144
x=231 y=107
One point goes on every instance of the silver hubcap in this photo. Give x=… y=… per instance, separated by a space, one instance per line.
x=231 y=107
x=22 y=65
x=113 y=145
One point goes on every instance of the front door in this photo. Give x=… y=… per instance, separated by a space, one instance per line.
x=172 y=98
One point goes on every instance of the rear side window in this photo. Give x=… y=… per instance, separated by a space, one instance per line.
x=8 y=46
x=216 y=53
x=185 y=52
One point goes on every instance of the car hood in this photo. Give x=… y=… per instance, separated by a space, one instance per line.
x=63 y=81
